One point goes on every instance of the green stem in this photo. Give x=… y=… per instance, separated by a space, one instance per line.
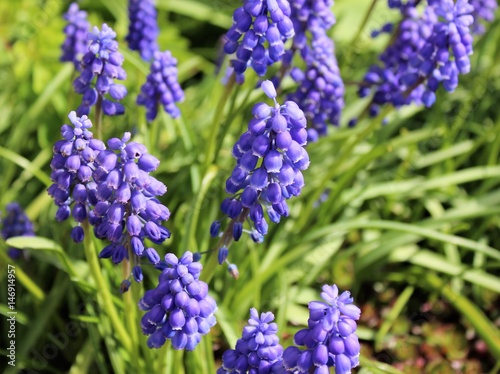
x=131 y=316
x=216 y=123
x=362 y=26
x=194 y=214
x=105 y=301
x=24 y=279
x=225 y=239
x=98 y=117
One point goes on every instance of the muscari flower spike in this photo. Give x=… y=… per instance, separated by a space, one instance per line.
x=260 y=29
x=99 y=67
x=310 y=16
x=15 y=223
x=73 y=188
x=320 y=91
x=143 y=28
x=126 y=210
x=430 y=49
x=179 y=308
x=161 y=87
x=258 y=350
x=270 y=160
x=330 y=339
x=484 y=11
x=75 y=45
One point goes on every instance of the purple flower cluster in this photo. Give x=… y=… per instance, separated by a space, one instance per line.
x=430 y=48
x=310 y=15
x=179 y=308
x=127 y=210
x=143 y=28
x=385 y=80
x=72 y=169
x=260 y=29
x=484 y=10
x=112 y=188
x=258 y=351
x=450 y=32
x=15 y=223
x=161 y=87
x=330 y=338
x=400 y=4
x=320 y=91
x=75 y=44
x=270 y=157
x=102 y=64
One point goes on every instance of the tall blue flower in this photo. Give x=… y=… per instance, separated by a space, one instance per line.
x=330 y=338
x=15 y=223
x=100 y=66
x=311 y=15
x=161 y=87
x=260 y=29
x=112 y=188
x=320 y=91
x=73 y=188
x=127 y=210
x=431 y=48
x=270 y=160
x=179 y=308
x=143 y=28
x=484 y=10
x=386 y=81
x=258 y=351
x=75 y=45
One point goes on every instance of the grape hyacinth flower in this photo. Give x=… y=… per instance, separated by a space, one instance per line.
x=179 y=308
x=270 y=160
x=161 y=87
x=386 y=80
x=260 y=29
x=320 y=91
x=401 y=4
x=330 y=338
x=100 y=66
x=75 y=45
x=73 y=188
x=484 y=10
x=15 y=223
x=311 y=21
x=258 y=351
x=126 y=209
x=143 y=28
x=451 y=31
x=430 y=48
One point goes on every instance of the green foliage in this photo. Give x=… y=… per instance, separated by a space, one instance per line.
x=410 y=217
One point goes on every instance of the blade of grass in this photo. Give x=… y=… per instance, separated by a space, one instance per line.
x=25 y=164
x=391 y=317
x=483 y=326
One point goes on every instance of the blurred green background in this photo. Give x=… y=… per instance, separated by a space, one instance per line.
x=408 y=220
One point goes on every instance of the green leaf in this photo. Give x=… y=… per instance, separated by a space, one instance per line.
x=33 y=242
x=25 y=164
x=197 y=10
x=223 y=320
x=484 y=327
x=376 y=367
x=44 y=244
x=436 y=262
x=391 y=317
